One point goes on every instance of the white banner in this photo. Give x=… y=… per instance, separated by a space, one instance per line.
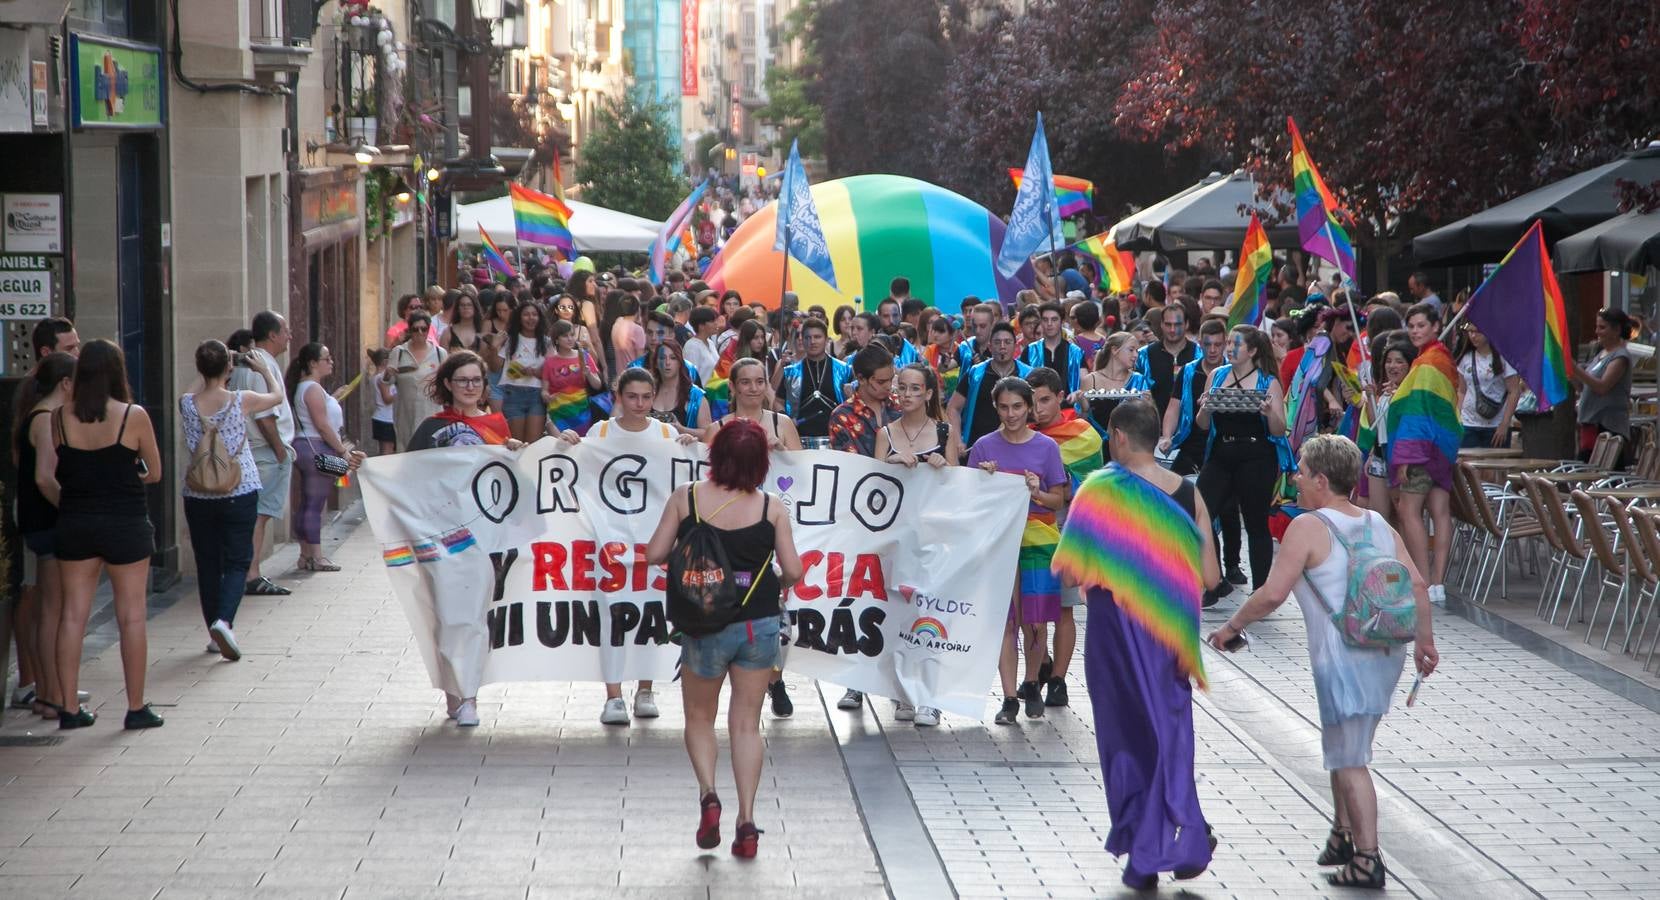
x=530 y=566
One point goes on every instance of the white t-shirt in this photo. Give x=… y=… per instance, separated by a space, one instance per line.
x=703 y=356
x=383 y=408
x=527 y=361
x=1491 y=385
x=302 y=413
x=282 y=412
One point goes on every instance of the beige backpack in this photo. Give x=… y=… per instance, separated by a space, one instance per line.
x=213 y=469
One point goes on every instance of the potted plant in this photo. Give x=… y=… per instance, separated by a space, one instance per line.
x=360 y=117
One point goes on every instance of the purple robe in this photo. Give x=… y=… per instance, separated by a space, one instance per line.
x=1144 y=732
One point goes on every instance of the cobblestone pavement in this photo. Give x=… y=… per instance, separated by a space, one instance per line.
x=321 y=765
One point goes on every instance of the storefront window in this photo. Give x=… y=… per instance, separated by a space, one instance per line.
x=1639 y=295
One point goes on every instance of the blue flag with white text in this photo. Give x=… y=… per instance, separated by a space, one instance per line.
x=798 y=222
x=1035 y=220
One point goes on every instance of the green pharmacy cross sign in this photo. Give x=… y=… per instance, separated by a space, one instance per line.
x=115 y=84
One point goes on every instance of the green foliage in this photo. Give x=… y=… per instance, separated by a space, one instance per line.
x=797 y=117
x=629 y=162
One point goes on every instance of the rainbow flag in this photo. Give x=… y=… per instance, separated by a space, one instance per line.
x=1520 y=310
x=1125 y=535
x=1424 y=428
x=1038 y=581
x=497 y=263
x=1072 y=195
x=398 y=556
x=569 y=409
x=539 y=218
x=948 y=380
x=1117 y=266
x=1317 y=226
x=1302 y=402
x=1080 y=445
x=717 y=386
x=1256 y=263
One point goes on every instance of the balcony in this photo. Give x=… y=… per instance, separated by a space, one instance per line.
x=273 y=53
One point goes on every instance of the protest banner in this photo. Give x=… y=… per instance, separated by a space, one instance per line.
x=530 y=566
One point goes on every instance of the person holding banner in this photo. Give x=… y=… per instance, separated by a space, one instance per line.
x=753 y=528
x=1016 y=449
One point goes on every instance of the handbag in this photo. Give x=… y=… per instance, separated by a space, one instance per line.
x=1486 y=407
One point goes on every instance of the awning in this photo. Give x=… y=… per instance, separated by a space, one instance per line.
x=1629 y=242
x=1211 y=215
x=595 y=228
x=1565 y=207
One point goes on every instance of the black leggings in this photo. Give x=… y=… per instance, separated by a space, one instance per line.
x=1242 y=474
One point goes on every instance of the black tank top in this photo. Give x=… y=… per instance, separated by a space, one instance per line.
x=1184 y=498
x=749 y=550
x=34 y=511
x=1236 y=426
x=102 y=482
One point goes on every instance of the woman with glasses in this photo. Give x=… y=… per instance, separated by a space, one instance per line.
x=413 y=363
x=679 y=402
x=318 y=421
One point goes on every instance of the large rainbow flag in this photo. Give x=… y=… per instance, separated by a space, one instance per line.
x=1117 y=266
x=1424 y=428
x=494 y=259
x=1317 y=226
x=540 y=218
x=1256 y=263
x=1520 y=310
x=1125 y=535
x=1080 y=445
x=1072 y=195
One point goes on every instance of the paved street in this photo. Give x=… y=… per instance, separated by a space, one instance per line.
x=322 y=766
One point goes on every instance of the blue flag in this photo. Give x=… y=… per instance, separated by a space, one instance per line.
x=798 y=222
x=1035 y=220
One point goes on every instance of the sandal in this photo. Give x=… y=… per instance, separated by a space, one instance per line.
x=265 y=587
x=1339 y=849
x=317 y=564
x=1369 y=876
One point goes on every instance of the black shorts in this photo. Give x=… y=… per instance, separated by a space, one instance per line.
x=383 y=431
x=117 y=540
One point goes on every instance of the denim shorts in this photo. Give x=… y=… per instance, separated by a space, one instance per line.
x=520 y=402
x=751 y=644
x=42 y=543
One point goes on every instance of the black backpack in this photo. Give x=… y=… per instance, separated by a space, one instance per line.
x=703 y=594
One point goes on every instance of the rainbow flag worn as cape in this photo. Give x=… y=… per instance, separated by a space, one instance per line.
x=1424 y=428
x=1072 y=195
x=1519 y=308
x=1125 y=535
x=1080 y=445
x=1302 y=409
x=1038 y=581
x=498 y=264
x=1256 y=263
x=1117 y=266
x=1317 y=227
x=717 y=385
x=539 y=218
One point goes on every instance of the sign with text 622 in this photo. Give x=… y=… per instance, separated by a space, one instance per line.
x=24 y=293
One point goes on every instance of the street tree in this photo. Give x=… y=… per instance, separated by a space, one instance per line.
x=629 y=162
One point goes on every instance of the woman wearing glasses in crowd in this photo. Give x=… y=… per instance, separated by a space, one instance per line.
x=679 y=402
x=413 y=363
x=319 y=421
x=463 y=418
x=565 y=309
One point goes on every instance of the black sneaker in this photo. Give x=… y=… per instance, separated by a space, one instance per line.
x=1046 y=671
x=1010 y=713
x=1235 y=575
x=1034 y=699
x=782 y=706
x=141 y=718
x=1057 y=693
x=1210 y=599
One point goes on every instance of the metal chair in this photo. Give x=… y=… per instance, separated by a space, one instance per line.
x=1606 y=552
x=1497 y=527
x=1638 y=568
x=1648 y=531
x=1576 y=556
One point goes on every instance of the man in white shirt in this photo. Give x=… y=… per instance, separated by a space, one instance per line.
x=1417 y=284
x=700 y=351
x=272 y=442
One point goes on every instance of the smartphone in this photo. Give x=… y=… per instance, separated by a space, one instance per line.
x=242 y=359
x=1239 y=642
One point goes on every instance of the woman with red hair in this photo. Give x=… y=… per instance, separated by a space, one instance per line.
x=754 y=531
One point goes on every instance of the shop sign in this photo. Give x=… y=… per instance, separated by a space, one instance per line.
x=25 y=287
x=328 y=205
x=688 y=48
x=115 y=84
x=33 y=223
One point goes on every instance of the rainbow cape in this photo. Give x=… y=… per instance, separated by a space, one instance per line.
x=1256 y=263
x=1424 y=428
x=1117 y=266
x=1072 y=195
x=500 y=268
x=1080 y=445
x=1520 y=310
x=1317 y=226
x=540 y=218
x=1125 y=535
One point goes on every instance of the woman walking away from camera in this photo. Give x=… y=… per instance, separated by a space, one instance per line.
x=106 y=454
x=463 y=419
x=221 y=516
x=42 y=393
x=1354 y=685
x=753 y=529
x=318 y=420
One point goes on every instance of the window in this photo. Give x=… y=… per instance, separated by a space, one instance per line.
x=265 y=21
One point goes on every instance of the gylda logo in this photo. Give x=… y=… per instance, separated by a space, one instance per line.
x=928 y=632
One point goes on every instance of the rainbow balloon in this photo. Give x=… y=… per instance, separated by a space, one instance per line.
x=878 y=226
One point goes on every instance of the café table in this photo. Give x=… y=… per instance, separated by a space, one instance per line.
x=1475 y=453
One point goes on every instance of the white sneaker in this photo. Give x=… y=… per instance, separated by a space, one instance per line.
x=615 y=712
x=451 y=704
x=927 y=716
x=24 y=697
x=466 y=715
x=851 y=700
x=212 y=647
x=225 y=639
x=903 y=712
x=645 y=705
x=1438 y=594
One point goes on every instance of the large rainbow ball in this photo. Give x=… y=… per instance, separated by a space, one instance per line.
x=878 y=227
